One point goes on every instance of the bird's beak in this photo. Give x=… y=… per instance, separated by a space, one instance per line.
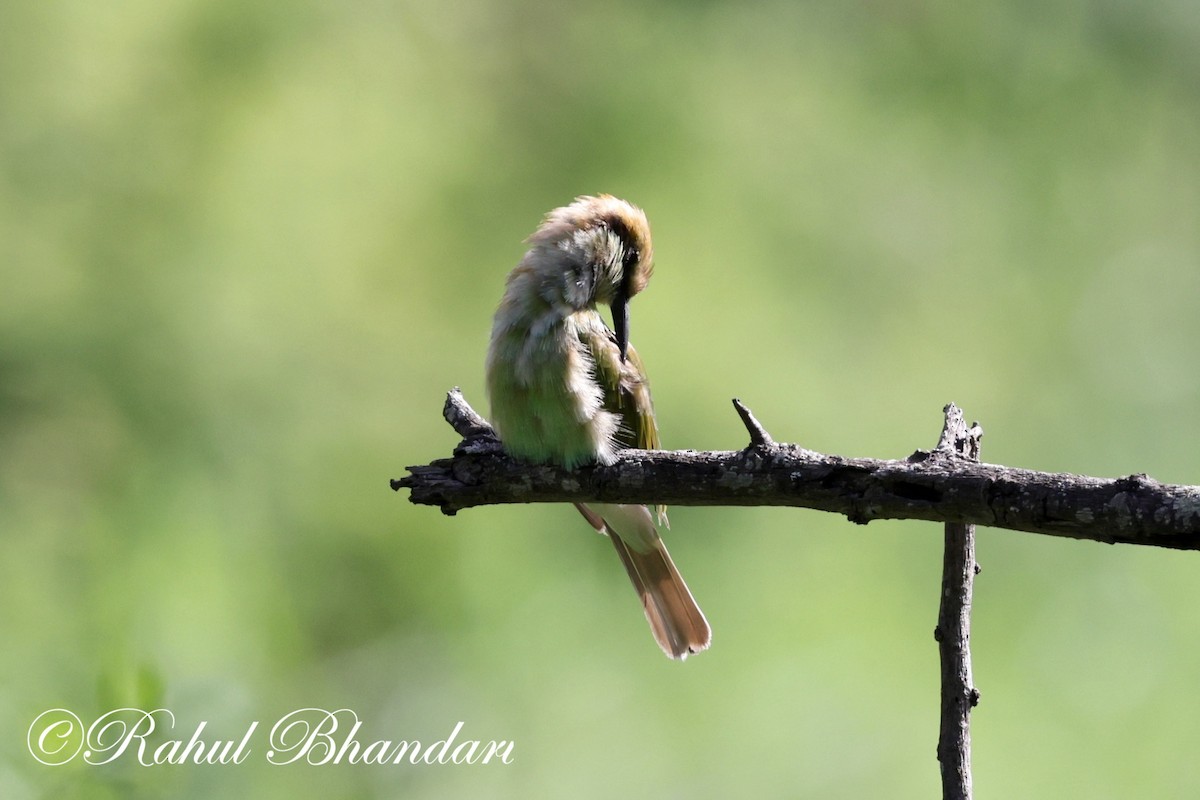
x=620 y=315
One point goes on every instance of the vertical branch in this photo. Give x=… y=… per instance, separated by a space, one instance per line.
x=953 y=632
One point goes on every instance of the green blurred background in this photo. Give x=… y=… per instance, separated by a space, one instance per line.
x=248 y=246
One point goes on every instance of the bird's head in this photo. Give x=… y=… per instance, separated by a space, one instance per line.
x=596 y=250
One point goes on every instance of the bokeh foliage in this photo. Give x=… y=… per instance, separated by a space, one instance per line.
x=246 y=247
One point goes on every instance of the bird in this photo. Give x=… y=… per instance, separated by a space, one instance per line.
x=565 y=388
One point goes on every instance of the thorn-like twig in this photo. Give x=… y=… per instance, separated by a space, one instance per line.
x=464 y=419
x=758 y=434
x=956 y=437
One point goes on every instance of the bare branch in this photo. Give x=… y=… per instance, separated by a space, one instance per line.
x=953 y=631
x=928 y=485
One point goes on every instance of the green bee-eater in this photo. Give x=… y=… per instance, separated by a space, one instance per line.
x=566 y=389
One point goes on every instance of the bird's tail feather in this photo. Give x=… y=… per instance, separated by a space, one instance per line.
x=675 y=619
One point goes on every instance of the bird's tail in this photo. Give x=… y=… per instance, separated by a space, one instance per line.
x=676 y=621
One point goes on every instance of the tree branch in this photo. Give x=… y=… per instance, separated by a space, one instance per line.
x=936 y=485
x=953 y=631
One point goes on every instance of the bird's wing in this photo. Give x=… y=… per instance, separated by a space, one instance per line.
x=626 y=390
x=626 y=394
